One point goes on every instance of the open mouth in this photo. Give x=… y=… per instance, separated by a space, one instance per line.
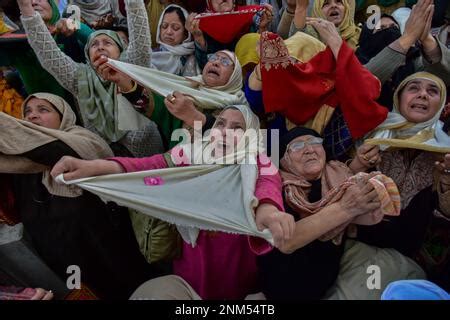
x=419 y=107
x=334 y=14
x=213 y=72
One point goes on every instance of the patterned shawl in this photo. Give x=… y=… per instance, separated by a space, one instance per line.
x=336 y=179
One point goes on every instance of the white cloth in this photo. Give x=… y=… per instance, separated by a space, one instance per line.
x=164 y=83
x=169 y=58
x=204 y=197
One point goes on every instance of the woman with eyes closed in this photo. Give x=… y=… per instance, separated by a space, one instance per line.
x=221 y=265
x=176 y=47
x=68 y=226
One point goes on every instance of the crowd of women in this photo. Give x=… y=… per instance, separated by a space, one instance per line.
x=132 y=146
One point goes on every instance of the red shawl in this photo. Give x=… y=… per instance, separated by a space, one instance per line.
x=298 y=90
x=225 y=27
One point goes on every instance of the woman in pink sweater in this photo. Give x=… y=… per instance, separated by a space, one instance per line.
x=221 y=265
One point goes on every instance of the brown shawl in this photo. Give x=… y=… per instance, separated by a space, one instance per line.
x=20 y=136
x=336 y=179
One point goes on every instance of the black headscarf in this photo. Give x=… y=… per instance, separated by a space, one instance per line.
x=295 y=133
x=370 y=44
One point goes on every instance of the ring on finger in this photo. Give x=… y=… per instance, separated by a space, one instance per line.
x=172 y=99
x=365 y=157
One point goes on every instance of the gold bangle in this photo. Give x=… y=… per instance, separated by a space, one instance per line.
x=132 y=89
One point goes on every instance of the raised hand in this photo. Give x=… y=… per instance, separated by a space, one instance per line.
x=328 y=33
x=183 y=108
x=367 y=156
x=107 y=73
x=193 y=26
x=266 y=18
x=26 y=7
x=416 y=23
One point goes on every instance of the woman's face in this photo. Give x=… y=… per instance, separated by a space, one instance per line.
x=172 y=30
x=308 y=161
x=44 y=8
x=42 y=113
x=334 y=11
x=385 y=23
x=419 y=100
x=222 y=5
x=218 y=70
x=103 y=45
x=227 y=132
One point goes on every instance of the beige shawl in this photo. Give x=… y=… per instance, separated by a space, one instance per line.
x=20 y=136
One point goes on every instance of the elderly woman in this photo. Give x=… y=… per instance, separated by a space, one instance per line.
x=66 y=225
x=415 y=154
x=308 y=264
x=221 y=265
x=98 y=98
x=178 y=100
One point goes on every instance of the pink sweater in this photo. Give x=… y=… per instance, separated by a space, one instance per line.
x=221 y=265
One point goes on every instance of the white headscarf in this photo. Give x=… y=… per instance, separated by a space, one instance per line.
x=234 y=84
x=164 y=83
x=169 y=58
x=209 y=197
x=247 y=149
x=396 y=131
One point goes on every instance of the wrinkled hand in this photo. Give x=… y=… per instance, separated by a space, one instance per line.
x=26 y=7
x=42 y=294
x=266 y=18
x=328 y=33
x=360 y=199
x=444 y=166
x=280 y=224
x=427 y=40
x=367 y=156
x=193 y=26
x=105 y=22
x=74 y=168
x=182 y=107
x=124 y=82
x=416 y=23
x=63 y=28
x=301 y=4
x=290 y=5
